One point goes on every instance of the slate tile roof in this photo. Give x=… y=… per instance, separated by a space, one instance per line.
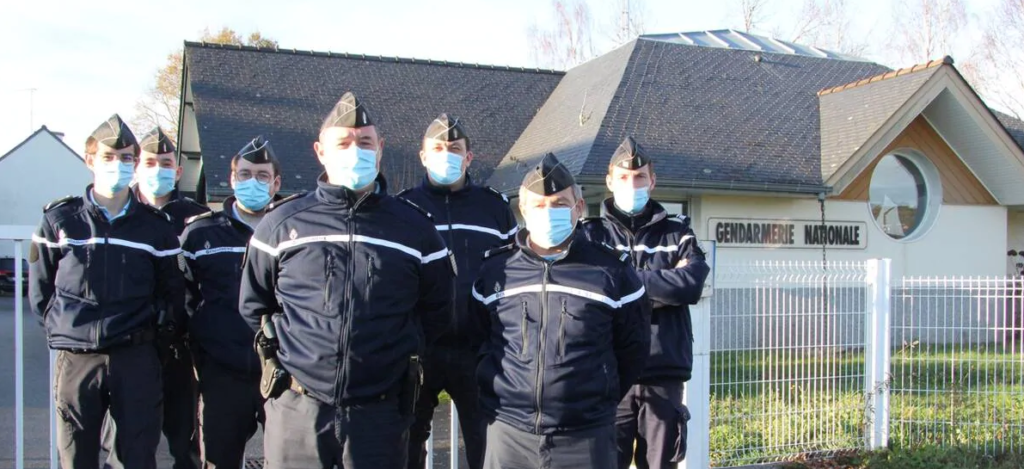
x=241 y=92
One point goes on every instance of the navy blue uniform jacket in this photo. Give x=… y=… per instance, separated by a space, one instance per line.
x=94 y=282
x=471 y=221
x=356 y=286
x=567 y=337
x=213 y=246
x=657 y=242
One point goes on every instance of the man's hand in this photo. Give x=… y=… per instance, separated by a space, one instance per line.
x=683 y=263
x=170 y=343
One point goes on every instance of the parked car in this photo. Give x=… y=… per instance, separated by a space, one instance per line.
x=7 y=281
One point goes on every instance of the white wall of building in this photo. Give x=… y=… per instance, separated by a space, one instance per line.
x=1014 y=238
x=964 y=240
x=38 y=172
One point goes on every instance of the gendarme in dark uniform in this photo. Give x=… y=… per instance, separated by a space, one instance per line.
x=358 y=284
x=213 y=246
x=472 y=219
x=100 y=281
x=568 y=334
x=666 y=256
x=156 y=176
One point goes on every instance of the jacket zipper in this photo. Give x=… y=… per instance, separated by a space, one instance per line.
x=106 y=285
x=526 y=334
x=541 y=343
x=561 y=330
x=451 y=240
x=350 y=309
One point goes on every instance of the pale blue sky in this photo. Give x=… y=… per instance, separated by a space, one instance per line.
x=89 y=59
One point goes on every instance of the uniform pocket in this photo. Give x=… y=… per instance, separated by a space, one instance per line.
x=562 y=319
x=369 y=281
x=524 y=331
x=682 y=417
x=328 y=278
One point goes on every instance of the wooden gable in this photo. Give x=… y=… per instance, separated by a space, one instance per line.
x=959 y=185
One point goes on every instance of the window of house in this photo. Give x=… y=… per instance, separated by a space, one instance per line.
x=904 y=195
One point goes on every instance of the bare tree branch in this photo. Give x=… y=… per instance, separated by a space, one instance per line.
x=159 y=106
x=568 y=43
x=1000 y=73
x=753 y=13
x=926 y=29
x=827 y=24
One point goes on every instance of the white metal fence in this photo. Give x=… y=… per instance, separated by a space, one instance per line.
x=20 y=236
x=806 y=358
x=958 y=364
x=788 y=370
x=793 y=358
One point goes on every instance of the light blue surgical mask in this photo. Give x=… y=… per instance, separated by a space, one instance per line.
x=444 y=168
x=252 y=194
x=631 y=200
x=113 y=177
x=550 y=227
x=354 y=167
x=156 y=181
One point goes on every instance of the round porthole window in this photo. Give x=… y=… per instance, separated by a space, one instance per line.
x=904 y=195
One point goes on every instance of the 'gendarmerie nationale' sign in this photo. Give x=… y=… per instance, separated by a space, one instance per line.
x=759 y=233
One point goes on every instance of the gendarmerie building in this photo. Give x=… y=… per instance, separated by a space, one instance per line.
x=775 y=149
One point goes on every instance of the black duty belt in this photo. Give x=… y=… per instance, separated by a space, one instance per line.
x=298 y=388
x=143 y=337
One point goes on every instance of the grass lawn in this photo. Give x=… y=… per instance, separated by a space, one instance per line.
x=783 y=405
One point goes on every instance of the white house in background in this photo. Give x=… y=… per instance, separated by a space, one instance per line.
x=35 y=172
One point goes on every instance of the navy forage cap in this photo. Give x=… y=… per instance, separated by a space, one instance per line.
x=258 y=151
x=348 y=112
x=114 y=133
x=549 y=177
x=446 y=128
x=156 y=142
x=630 y=155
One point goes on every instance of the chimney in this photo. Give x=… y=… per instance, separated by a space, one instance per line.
x=59 y=135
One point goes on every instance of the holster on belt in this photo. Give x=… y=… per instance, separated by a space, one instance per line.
x=410 y=392
x=274 y=378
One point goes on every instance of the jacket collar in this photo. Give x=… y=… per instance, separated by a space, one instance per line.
x=522 y=241
x=99 y=211
x=441 y=191
x=347 y=198
x=652 y=213
x=231 y=213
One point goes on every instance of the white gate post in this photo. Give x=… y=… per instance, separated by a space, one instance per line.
x=879 y=349
x=430 y=448
x=697 y=396
x=19 y=359
x=453 y=455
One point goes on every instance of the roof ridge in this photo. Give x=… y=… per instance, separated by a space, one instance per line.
x=947 y=60
x=379 y=58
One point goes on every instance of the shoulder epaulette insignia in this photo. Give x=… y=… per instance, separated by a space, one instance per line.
x=278 y=203
x=623 y=256
x=160 y=213
x=498 y=193
x=591 y=219
x=190 y=220
x=680 y=218
x=59 y=202
x=498 y=250
x=192 y=201
x=404 y=191
x=417 y=207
